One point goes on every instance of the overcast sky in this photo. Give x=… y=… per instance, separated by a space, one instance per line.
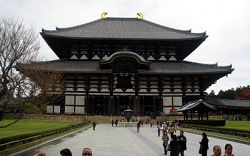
x=227 y=23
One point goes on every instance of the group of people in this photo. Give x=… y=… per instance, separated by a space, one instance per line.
x=114 y=122
x=178 y=144
x=67 y=152
x=228 y=150
x=216 y=149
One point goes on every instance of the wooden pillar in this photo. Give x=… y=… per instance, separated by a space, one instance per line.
x=207 y=115
x=117 y=105
x=87 y=110
x=136 y=105
x=110 y=101
x=191 y=115
x=143 y=105
x=93 y=105
x=154 y=105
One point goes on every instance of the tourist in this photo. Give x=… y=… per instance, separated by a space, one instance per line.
x=164 y=126
x=228 y=150
x=165 y=139
x=204 y=145
x=41 y=153
x=158 y=130
x=138 y=126
x=65 y=152
x=94 y=125
x=116 y=122
x=182 y=142
x=86 y=152
x=174 y=146
x=112 y=123
x=216 y=150
x=171 y=131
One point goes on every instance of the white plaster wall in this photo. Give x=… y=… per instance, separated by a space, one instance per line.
x=80 y=110
x=167 y=101
x=69 y=100
x=57 y=109
x=69 y=110
x=49 y=109
x=80 y=100
x=166 y=110
x=177 y=101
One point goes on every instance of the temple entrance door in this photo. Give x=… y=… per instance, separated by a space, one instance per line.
x=147 y=104
x=122 y=103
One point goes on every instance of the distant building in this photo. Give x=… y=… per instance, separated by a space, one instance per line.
x=112 y=63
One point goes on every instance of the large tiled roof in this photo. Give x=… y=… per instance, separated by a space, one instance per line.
x=123 y=28
x=228 y=102
x=176 y=68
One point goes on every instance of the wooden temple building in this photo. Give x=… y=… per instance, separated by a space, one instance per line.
x=112 y=63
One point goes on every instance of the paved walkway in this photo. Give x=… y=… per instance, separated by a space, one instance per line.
x=123 y=141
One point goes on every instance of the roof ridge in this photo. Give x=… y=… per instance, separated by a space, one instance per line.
x=175 y=30
x=70 y=28
x=58 y=29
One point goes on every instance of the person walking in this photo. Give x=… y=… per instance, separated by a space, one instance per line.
x=164 y=126
x=204 y=145
x=228 y=150
x=173 y=146
x=116 y=122
x=182 y=142
x=165 y=139
x=112 y=123
x=159 y=130
x=171 y=130
x=216 y=150
x=138 y=126
x=94 y=125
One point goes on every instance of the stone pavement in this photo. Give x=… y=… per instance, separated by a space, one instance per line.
x=123 y=141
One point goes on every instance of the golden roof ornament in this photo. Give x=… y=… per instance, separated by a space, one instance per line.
x=140 y=16
x=103 y=15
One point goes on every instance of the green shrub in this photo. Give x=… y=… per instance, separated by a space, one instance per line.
x=30 y=108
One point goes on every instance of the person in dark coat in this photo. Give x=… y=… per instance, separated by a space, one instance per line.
x=204 y=145
x=94 y=124
x=173 y=146
x=138 y=126
x=116 y=123
x=112 y=123
x=182 y=142
x=65 y=152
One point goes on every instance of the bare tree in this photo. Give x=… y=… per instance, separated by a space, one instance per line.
x=18 y=44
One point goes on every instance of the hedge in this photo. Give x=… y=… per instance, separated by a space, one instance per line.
x=206 y=122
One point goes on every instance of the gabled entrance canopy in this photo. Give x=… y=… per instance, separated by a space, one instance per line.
x=199 y=106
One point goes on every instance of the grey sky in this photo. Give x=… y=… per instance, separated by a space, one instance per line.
x=227 y=23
